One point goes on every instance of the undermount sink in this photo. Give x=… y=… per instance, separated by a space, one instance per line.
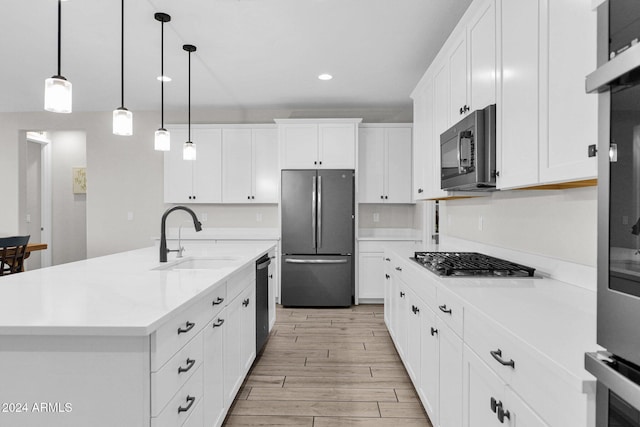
x=209 y=263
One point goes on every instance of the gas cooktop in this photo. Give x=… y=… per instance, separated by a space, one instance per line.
x=470 y=264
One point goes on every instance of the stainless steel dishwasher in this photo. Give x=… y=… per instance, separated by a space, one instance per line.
x=262 y=301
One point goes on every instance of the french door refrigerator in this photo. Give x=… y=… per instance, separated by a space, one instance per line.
x=317 y=237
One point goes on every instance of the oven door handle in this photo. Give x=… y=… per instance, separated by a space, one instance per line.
x=614 y=381
x=599 y=80
x=460 y=171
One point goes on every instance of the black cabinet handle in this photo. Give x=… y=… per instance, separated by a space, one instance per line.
x=320 y=162
x=398 y=268
x=194 y=197
x=387 y=276
x=190 y=363
x=218 y=300
x=382 y=197
x=253 y=197
x=497 y=354
x=315 y=163
x=420 y=190
x=444 y=309
x=401 y=294
x=386 y=197
x=218 y=323
x=245 y=302
x=497 y=173
x=415 y=309
x=387 y=259
x=494 y=405
x=460 y=110
x=248 y=197
x=271 y=276
x=189 y=326
x=502 y=414
x=433 y=331
x=190 y=400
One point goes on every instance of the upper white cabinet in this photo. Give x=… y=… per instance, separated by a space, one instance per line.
x=384 y=163
x=318 y=143
x=482 y=47
x=194 y=181
x=250 y=165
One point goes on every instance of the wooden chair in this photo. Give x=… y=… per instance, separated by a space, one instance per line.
x=12 y=252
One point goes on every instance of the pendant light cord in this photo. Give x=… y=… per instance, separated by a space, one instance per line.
x=59 y=35
x=122 y=56
x=162 y=75
x=189 y=90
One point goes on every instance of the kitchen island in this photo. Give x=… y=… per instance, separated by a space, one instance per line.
x=124 y=340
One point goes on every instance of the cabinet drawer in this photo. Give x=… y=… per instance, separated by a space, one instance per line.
x=175 y=373
x=179 y=330
x=183 y=404
x=196 y=419
x=421 y=282
x=239 y=282
x=535 y=378
x=450 y=310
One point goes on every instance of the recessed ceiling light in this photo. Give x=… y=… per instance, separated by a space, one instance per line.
x=163 y=78
x=325 y=76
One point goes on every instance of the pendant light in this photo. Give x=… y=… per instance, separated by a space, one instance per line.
x=162 y=137
x=189 y=150
x=57 y=89
x=122 y=118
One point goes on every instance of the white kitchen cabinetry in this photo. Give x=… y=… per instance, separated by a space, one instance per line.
x=458 y=80
x=429 y=388
x=450 y=367
x=385 y=163
x=318 y=143
x=414 y=321
x=371 y=268
x=422 y=140
x=482 y=46
x=250 y=165
x=194 y=181
x=214 y=401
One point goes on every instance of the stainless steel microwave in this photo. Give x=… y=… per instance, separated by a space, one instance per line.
x=468 y=153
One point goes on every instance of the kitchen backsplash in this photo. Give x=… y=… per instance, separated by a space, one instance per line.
x=390 y=216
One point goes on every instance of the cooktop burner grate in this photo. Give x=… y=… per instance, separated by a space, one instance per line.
x=470 y=264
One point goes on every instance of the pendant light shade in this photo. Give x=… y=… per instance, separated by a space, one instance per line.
x=57 y=89
x=189 y=149
x=162 y=140
x=122 y=118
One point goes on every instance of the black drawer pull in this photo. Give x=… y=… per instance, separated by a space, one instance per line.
x=245 y=302
x=218 y=300
x=497 y=354
x=401 y=294
x=433 y=331
x=398 y=268
x=495 y=405
x=218 y=323
x=444 y=309
x=387 y=276
x=189 y=326
x=415 y=309
x=190 y=399
x=502 y=414
x=190 y=363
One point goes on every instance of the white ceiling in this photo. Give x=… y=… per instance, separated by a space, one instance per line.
x=251 y=53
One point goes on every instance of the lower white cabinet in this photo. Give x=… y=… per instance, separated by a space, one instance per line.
x=413 y=351
x=214 y=402
x=371 y=274
x=450 y=367
x=429 y=384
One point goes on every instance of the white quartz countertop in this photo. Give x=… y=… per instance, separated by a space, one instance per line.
x=556 y=319
x=117 y=294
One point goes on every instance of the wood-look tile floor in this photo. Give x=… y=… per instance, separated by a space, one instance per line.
x=328 y=368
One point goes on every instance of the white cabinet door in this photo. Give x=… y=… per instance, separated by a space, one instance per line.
x=233 y=363
x=429 y=388
x=483 y=393
x=178 y=173
x=402 y=310
x=571 y=114
x=450 y=401
x=482 y=57
x=387 y=301
x=398 y=168
x=371 y=276
x=248 y=329
x=207 y=172
x=298 y=146
x=237 y=167
x=518 y=109
x=371 y=165
x=414 y=319
x=392 y=297
x=521 y=415
x=214 y=407
x=265 y=166
x=459 y=106
x=422 y=140
x=337 y=145
x=440 y=122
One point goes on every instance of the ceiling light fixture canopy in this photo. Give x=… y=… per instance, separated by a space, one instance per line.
x=57 y=89
x=189 y=150
x=162 y=139
x=122 y=118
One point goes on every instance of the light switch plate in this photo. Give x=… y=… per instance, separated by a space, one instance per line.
x=376 y=217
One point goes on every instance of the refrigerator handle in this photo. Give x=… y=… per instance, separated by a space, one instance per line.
x=319 y=211
x=315 y=261
x=313 y=211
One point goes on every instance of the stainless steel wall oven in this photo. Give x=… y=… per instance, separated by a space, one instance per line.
x=617 y=82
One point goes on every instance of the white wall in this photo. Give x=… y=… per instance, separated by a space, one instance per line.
x=125 y=174
x=390 y=216
x=560 y=224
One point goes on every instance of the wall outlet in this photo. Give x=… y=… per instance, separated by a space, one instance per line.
x=258 y=217
x=376 y=217
x=129 y=216
x=480 y=223
x=204 y=217
x=28 y=218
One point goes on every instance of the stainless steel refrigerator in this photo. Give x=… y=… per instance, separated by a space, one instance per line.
x=317 y=237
